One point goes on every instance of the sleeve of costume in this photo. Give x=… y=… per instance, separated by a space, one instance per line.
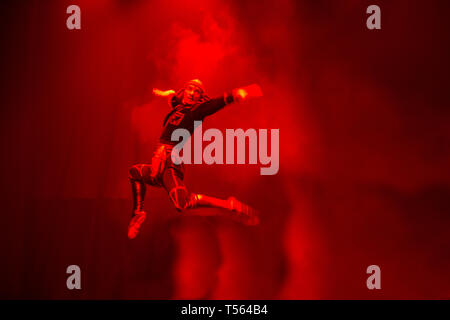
x=212 y=106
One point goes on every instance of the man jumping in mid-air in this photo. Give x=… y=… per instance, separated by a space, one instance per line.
x=189 y=104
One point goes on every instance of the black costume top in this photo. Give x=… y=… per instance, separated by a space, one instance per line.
x=183 y=116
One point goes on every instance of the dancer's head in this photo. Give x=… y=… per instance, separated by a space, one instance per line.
x=193 y=92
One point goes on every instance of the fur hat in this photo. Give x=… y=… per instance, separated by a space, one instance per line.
x=196 y=83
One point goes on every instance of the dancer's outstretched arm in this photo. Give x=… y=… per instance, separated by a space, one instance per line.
x=237 y=95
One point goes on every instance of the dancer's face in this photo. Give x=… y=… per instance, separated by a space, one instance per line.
x=191 y=95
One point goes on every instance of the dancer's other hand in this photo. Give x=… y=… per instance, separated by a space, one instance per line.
x=162 y=93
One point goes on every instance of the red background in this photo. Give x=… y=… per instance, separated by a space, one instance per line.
x=364 y=149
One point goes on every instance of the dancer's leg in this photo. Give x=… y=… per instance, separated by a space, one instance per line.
x=138 y=190
x=183 y=200
x=139 y=174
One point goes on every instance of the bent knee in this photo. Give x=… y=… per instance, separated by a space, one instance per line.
x=181 y=199
x=181 y=204
x=140 y=172
x=135 y=173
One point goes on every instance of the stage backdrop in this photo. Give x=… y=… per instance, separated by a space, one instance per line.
x=364 y=158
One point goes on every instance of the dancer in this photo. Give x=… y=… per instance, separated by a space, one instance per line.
x=189 y=104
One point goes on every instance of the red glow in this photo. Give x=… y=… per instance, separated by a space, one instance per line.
x=363 y=122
